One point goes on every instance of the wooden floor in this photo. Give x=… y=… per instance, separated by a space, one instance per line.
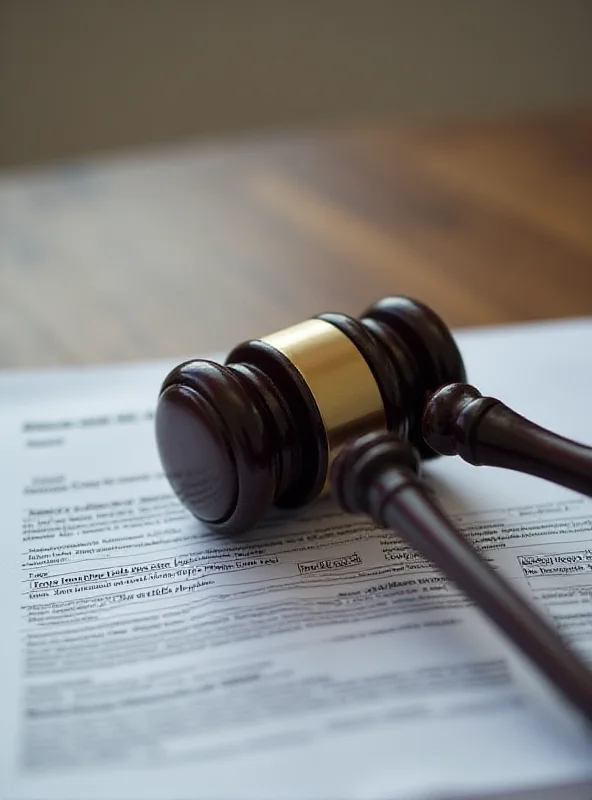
x=185 y=251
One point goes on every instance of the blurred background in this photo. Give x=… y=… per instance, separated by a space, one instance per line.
x=80 y=77
x=266 y=160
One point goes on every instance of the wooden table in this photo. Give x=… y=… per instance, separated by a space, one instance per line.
x=190 y=250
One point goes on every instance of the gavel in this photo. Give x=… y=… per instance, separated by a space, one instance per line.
x=352 y=406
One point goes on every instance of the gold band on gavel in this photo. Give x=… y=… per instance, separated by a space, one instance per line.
x=338 y=377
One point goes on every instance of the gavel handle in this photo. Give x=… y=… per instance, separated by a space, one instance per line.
x=458 y=420
x=377 y=475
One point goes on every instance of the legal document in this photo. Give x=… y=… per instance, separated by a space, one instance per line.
x=146 y=658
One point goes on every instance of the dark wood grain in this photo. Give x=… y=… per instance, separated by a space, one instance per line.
x=188 y=251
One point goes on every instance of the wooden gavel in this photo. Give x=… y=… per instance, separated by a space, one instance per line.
x=353 y=404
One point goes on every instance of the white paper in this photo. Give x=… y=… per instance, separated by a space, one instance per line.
x=143 y=657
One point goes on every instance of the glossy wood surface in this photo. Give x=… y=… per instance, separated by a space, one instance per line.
x=377 y=475
x=483 y=431
x=191 y=250
x=264 y=427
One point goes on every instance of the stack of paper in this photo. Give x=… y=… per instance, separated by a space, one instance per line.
x=147 y=659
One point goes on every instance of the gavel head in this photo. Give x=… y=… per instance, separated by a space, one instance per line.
x=264 y=427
